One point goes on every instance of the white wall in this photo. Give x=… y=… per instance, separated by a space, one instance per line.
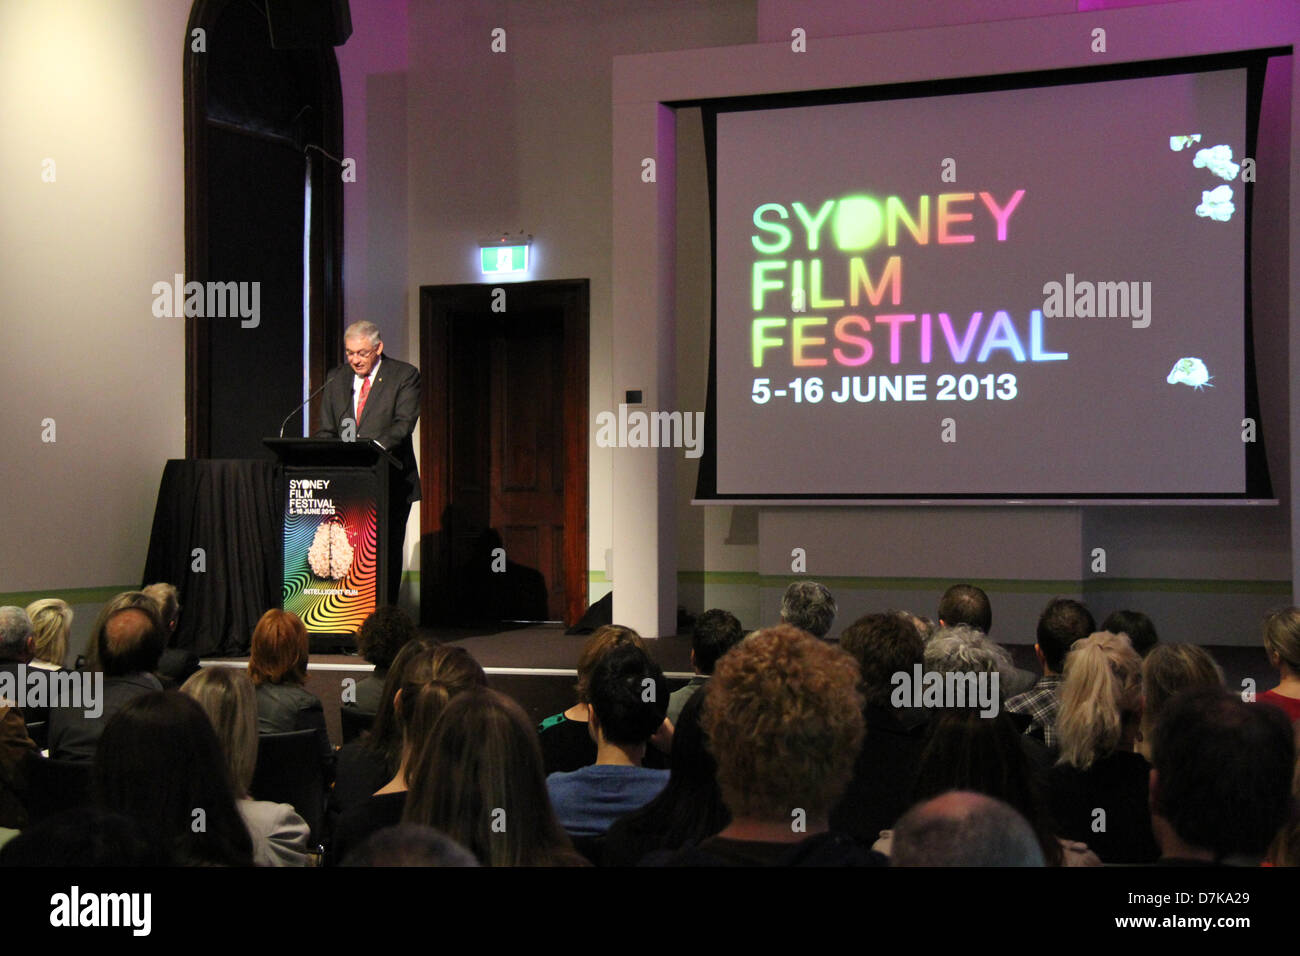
x=94 y=85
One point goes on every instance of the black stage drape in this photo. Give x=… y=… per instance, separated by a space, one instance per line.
x=227 y=508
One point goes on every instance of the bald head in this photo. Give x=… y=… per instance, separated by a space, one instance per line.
x=964 y=829
x=131 y=641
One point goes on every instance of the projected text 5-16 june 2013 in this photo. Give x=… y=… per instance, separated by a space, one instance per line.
x=887 y=388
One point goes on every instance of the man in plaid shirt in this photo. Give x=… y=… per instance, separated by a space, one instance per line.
x=1062 y=623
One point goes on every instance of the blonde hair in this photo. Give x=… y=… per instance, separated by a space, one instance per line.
x=168 y=600
x=228 y=698
x=1282 y=636
x=51 y=623
x=1101 y=695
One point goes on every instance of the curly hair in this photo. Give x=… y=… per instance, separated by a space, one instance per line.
x=784 y=722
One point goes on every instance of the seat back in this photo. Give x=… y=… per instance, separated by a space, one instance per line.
x=355 y=723
x=289 y=771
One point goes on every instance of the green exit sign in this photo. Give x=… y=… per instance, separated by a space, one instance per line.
x=497 y=260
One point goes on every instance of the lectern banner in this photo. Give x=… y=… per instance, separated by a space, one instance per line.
x=330 y=542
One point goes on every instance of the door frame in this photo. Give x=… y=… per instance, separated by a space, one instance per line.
x=437 y=304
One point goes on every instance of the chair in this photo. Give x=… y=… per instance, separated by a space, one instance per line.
x=289 y=770
x=355 y=723
x=56 y=785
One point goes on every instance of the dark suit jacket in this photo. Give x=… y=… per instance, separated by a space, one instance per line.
x=74 y=736
x=389 y=417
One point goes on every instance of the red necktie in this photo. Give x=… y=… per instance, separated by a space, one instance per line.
x=361 y=399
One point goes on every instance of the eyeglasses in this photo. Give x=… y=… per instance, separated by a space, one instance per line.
x=362 y=354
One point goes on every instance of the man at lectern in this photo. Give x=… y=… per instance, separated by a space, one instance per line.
x=380 y=400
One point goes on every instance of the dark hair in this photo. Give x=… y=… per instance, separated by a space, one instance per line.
x=715 y=633
x=985 y=755
x=410 y=844
x=383 y=634
x=689 y=809
x=159 y=762
x=1062 y=622
x=385 y=733
x=883 y=645
x=1141 y=632
x=966 y=604
x=1223 y=771
x=479 y=779
x=85 y=836
x=127 y=647
x=628 y=694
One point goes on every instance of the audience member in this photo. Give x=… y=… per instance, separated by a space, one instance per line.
x=430 y=680
x=783 y=718
x=1167 y=670
x=127 y=641
x=1221 y=781
x=1282 y=643
x=1062 y=622
x=1098 y=789
x=966 y=604
x=382 y=635
x=51 y=626
x=478 y=779
x=885 y=769
x=629 y=698
x=373 y=759
x=15 y=747
x=227 y=697
x=17 y=644
x=1285 y=850
x=986 y=755
x=964 y=829
x=410 y=844
x=277 y=665
x=715 y=633
x=687 y=811
x=567 y=744
x=177 y=664
x=1136 y=626
x=159 y=762
x=90 y=659
x=809 y=606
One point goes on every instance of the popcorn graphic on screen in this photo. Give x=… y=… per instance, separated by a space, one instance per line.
x=1216 y=204
x=1190 y=371
x=1179 y=143
x=1218 y=159
x=330 y=555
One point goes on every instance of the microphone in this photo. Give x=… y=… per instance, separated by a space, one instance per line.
x=328 y=378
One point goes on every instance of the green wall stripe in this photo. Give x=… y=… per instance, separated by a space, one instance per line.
x=71 y=595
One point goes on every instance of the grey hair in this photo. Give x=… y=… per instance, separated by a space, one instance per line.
x=978 y=831
x=15 y=628
x=809 y=605
x=965 y=649
x=362 y=330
